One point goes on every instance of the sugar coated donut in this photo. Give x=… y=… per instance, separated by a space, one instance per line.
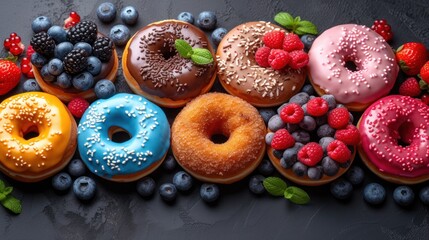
x=153 y=68
x=37 y=136
x=144 y=123
x=194 y=131
x=353 y=63
x=241 y=76
x=395 y=139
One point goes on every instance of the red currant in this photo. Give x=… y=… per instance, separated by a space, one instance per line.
x=30 y=51
x=383 y=28
x=7 y=43
x=25 y=68
x=25 y=60
x=30 y=74
x=13 y=34
x=16 y=39
x=16 y=51
x=75 y=16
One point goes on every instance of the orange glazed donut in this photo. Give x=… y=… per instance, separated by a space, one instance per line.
x=37 y=136
x=194 y=131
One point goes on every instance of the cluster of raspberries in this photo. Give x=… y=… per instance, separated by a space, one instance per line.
x=280 y=50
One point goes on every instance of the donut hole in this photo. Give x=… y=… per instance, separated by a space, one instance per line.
x=405 y=132
x=118 y=134
x=351 y=65
x=168 y=53
x=29 y=132
x=219 y=138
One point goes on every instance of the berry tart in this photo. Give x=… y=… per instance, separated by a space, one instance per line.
x=68 y=62
x=311 y=140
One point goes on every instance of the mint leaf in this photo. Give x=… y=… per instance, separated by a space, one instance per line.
x=296 y=195
x=284 y=19
x=274 y=186
x=12 y=204
x=2 y=196
x=7 y=190
x=201 y=56
x=184 y=49
x=306 y=27
x=2 y=186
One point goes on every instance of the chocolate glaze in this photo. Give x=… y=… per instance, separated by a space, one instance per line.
x=158 y=68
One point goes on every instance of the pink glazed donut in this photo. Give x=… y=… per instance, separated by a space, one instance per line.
x=353 y=63
x=395 y=139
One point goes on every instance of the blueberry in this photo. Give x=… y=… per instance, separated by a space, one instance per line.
x=330 y=99
x=94 y=65
x=83 y=81
x=325 y=131
x=300 y=98
x=58 y=34
x=207 y=20
x=424 y=195
x=186 y=17
x=299 y=169
x=168 y=192
x=308 y=88
x=301 y=136
x=315 y=173
x=374 y=193
x=62 y=49
x=256 y=184
x=304 y=108
x=84 y=46
x=339 y=105
x=146 y=187
x=104 y=89
x=119 y=34
x=292 y=127
x=329 y=166
x=38 y=60
x=31 y=85
x=209 y=192
x=169 y=163
x=84 y=188
x=183 y=181
x=269 y=137
x=290 y=155
x=324 y=142
x=61 y=181
x=279 y=109
x=55 y=66
x=106 y=12
x=64 y=80
x=266 y=168
x=46 y=75
x=41 y=23
x=129 y=15
x=321 y=120
x=76 y=168
x=275 y=123
x=341 y=189
x=266 y=114
x=308 y=123
x=287 y=163
x=218 y=34
x=278 y=153
x=355 y=175
x=308 y=40
x=403 y=196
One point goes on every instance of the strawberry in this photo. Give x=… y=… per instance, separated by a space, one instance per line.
x=310 y=154
x=292 y=42
x=261 y=56
x=282 y=140
x=424 y=72
x=411 y=57
x=77 y=107
x=338 y=118
x=278 y=59
x=10 y=74
x=350 y=135
x=274 y=39
x=410 y=87
x=338 y=151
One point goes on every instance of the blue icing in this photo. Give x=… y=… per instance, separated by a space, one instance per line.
x=142 y=119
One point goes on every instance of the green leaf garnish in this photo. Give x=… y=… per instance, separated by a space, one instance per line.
x=295 y=25
x=7 y=200
x=296 y=195
x=200 y=56
x=274 y=186
x=184 y=49
x=423 y=85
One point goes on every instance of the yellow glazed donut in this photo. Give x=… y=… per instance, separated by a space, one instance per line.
x=37 y=136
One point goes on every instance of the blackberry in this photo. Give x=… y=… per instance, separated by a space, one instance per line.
x=75 y=61
x=103 y=49
x=85 y=31
x=43 y=44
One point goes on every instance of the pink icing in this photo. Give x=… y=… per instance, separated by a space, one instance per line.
x=390 y=120
x=376 y=70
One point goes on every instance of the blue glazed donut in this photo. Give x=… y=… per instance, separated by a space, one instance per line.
x=144 y=122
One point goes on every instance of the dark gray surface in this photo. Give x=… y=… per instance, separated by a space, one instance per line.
x=118 y=212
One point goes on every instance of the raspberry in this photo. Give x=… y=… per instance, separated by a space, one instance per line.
x=261 y=56
x=350 y=135
x=410 y=87
x=292 y=113
x=338 y=151
x=77 y=106
x=338 y=118
x=299 y=59
x=424 y=72
x=274 y=39
x=310 y=154
x=383 y=28
x=425 y=99
x=292 y=42
x=282 y=140
x=317 y=107
x=278 y=59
